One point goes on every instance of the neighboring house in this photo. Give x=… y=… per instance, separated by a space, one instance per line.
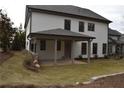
x=122 y=40
x=116 y=42
x=65 y=31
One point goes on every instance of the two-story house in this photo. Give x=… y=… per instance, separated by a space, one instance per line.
x=65 y=31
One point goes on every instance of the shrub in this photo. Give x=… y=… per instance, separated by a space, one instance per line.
x=28 y=56
x=95 y=56
x=28 y=62
x=106 y=56
x=80 y=57
x=121 y=57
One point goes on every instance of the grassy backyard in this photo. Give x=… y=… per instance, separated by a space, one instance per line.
x=13 y=72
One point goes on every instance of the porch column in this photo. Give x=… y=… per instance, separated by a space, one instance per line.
x=55 y=51
x=89 y=50
x=72 y=51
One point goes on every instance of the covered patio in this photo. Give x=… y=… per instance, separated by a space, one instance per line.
x=116 y=47
x=68 y=37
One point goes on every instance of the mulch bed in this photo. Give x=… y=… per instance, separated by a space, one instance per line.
x=116 y=81
x=29 y=66
x=106 y=82
x=5 y=56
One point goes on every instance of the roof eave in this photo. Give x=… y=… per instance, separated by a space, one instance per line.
x=33 y=34
x=60 y=13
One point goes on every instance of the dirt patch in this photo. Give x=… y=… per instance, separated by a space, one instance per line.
x=116 y=81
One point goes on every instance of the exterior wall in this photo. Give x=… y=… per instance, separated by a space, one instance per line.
x=122 y=38
x=114 y=46
x=123 y=49
x=113 y=49
x=42 y=22
x=27 y=33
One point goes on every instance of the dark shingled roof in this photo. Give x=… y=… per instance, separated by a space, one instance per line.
x=62 y=32
x=114 y=32
x=68 y=9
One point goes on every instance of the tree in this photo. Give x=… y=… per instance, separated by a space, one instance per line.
x=19 y=39
x=6 y=31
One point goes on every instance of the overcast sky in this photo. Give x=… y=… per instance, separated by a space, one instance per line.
x=110 y=9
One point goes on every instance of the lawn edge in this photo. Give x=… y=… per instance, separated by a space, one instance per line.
x=92 y=79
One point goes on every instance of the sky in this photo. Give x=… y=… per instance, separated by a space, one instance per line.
x=110 y=9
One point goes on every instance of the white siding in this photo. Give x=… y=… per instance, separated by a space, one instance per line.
x=42 y=22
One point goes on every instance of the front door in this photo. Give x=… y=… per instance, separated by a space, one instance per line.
x=67 y=49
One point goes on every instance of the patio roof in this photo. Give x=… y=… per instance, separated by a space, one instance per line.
x=60 y=34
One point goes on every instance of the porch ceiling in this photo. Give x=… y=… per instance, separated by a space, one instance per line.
x=60 y=34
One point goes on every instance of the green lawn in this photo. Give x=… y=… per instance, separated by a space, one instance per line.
x=13 y=72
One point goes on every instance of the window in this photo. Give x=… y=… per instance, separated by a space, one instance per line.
x=42 y=45
x=94 y=48
x=91 y=27
x=67 y=25
x=31 y=47
x=58 y=45
x=81 y=26
x=104 y=48
x=84 y=48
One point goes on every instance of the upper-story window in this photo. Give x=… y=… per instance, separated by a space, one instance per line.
x=91 y=27
x=67 y=24
x=81 y=26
